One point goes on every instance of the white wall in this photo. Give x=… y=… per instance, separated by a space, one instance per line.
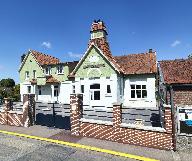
x=105 y=99
x=65 y=91
x=150 y=101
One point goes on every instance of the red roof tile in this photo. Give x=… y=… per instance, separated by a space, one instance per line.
x=177 y=71
x=51 y=79
x=44 y=59
x=143 y=63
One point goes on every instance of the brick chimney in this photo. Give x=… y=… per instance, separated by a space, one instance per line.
x=99 y=37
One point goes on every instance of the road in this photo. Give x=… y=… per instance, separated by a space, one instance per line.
x=13 y=148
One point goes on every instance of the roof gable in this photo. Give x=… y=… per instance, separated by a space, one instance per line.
x=85 y=56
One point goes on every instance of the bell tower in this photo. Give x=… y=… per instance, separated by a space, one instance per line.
x=98 y=30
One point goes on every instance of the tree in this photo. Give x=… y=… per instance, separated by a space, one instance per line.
x=9 y=83
x=190 y=56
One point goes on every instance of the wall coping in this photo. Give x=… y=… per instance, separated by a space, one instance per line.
x=165 y=105
x=96 y=121
x=148 y=128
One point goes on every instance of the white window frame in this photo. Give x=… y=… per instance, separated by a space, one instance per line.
x=34 y=73
x=26 y=75
x=141 y=89
x=92 y=93
x=49 y=70
x=59 y=70
x=29 y=89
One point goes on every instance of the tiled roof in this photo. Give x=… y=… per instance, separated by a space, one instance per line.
x=177 y=71
x=143 y=63
x=51 y=79
x=44 y=59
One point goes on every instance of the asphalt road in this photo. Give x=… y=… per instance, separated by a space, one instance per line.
x=13 y=148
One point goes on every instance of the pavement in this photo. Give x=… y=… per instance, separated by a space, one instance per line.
x=63 y=135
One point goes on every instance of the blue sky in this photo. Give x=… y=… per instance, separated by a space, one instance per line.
x=61 y=28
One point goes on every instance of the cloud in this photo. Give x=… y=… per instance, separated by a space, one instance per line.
x=175 y=43
x=73 y=55
x=46 y=44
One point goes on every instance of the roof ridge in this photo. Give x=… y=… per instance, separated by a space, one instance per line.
x=43 y=53
x=134 y=54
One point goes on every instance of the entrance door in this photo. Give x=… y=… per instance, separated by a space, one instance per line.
x=95 y=94
x=56 y=92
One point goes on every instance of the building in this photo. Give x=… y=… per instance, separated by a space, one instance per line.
x=45 y=76
x=101 y=77
x=104 y=79
x=176 y=89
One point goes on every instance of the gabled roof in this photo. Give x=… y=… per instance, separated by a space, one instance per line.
x=44 y=59
x=144 y=63
x=41 y=59
x=177 y=71
x=111 y=60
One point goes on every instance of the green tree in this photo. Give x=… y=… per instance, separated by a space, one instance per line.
x=190 y=56
x=9 y=83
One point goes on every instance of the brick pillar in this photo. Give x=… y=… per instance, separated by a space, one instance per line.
x=75 y=113
x=168 y=120
x=116 y=121
x=31 y=109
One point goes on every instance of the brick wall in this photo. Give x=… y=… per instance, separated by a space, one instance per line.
x=115 y=132
x=181 y=95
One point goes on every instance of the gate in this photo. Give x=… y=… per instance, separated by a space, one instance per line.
x=184 y=119
x=53 y=115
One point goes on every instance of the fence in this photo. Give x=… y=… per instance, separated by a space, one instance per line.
x=53 y=115
x=118 y=130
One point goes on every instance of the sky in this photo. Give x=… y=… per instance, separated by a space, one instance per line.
x=61 y=28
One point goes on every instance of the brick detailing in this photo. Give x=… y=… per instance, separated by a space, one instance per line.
x=116 y=121
x=14 y=119
x=19 y=118
x=3 y=118
x=182 y=97
x=114 y=132
x=168 y=120
x=75 y=112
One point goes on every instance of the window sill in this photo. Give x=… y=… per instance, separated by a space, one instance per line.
x=140 y=99
x=108 y=95
x=60 y=73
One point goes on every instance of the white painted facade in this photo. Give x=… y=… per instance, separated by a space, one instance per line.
x=47 y=92
x=149 y=101
x=106 y=99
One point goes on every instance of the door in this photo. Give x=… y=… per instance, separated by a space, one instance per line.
x=56 y=93
x=95 y=94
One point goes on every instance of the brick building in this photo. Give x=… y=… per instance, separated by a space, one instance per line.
x=176 y=89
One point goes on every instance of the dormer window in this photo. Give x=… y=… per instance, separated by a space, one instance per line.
x=48 y=70
x=60 y=69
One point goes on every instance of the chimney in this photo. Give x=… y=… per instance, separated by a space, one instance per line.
x=150 y=50
x=22 y=57
x=99 y=37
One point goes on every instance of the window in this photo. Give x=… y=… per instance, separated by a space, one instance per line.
x=34 y=73
x=28 y=89
x=73 y=89
x=56 y=91
x=27 y=75
x=138 y=91
x=108 y=89
x=60 y=69
x=48 y=70
x=82 y=88
x=39 y=90
x=95 y=91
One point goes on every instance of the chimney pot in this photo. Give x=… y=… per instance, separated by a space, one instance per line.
x=150 y=50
